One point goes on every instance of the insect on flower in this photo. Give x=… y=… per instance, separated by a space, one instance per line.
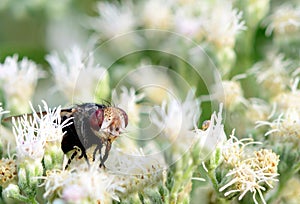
x=91 y=124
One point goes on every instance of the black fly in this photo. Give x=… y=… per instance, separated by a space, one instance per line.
x=91 y=124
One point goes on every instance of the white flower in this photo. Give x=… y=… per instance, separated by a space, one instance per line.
x=285 y=20
x=253 y=175
x=233 y=150
x=222 y=29
x=77 y=76
x=154 y=80
x=18 y=81
x=32 y=132
x=134 y=171
x=127 y=100
x=125 y=174
x=250 y=172
x=188 y=19
x=212 y=135
x=289 y=99
x=188 y=26
x=156 y=14
x=272 y=74
x=30 y=144
x=92 y=186
x=114 y=19
x=257 y=110
x=232 y=93
x=176 y=120
x=286 y=127
x=54 y=181
x=50 y=125
x=77 y=186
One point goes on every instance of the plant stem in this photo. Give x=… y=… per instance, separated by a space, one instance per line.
x=213 y=179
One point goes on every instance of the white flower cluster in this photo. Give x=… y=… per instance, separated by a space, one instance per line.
x=76 y=187
x=125 y=174
x=114 y=19
x=272 y=74
x=18 y=80
x=285 y=20
x=33 y=131
x=176 y=120
x=212 y=135
x=192 y=18
x=127 y=100
x=252 y=173
x=134 y=171
x=285 y=128
x=221 y=29
x=77 y=76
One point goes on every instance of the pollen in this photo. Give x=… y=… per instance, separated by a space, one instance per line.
x=8 y=171
x=266 y=159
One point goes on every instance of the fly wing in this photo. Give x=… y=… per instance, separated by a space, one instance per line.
x=64 y=113
x=29 y=115
x=82 y=124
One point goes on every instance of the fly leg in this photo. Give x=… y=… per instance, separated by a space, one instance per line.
x=83 y=154
x=98 y=148
x=70 y=159
x=107 y=149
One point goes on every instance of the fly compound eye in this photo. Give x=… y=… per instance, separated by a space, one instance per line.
x=96 y=119
x=124 y=117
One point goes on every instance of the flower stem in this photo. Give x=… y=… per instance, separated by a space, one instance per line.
x=213 y=179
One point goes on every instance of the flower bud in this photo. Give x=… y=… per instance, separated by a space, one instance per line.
x=10 y=192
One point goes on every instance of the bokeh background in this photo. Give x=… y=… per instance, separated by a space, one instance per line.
x=243 y=53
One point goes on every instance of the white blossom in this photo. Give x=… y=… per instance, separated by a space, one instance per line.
x=125 y=173
x=33 y=131
x=77 y=186
x=232 y=94
x=188 y=24
x=157 y=15
x=289 y=99
x=212 y=136
x=222 y=29
x=50 y=124
x=155 y=81
x=18 y=81
x=233 y=150
x=30 y=144
x=284 y=128
x=127 y=100
x=176 y=119
x=284 y=20
x=113 y=19
x=77 y=76
x=253 y=175
x=272 y=74
x=257 y=110
x=133 y=171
